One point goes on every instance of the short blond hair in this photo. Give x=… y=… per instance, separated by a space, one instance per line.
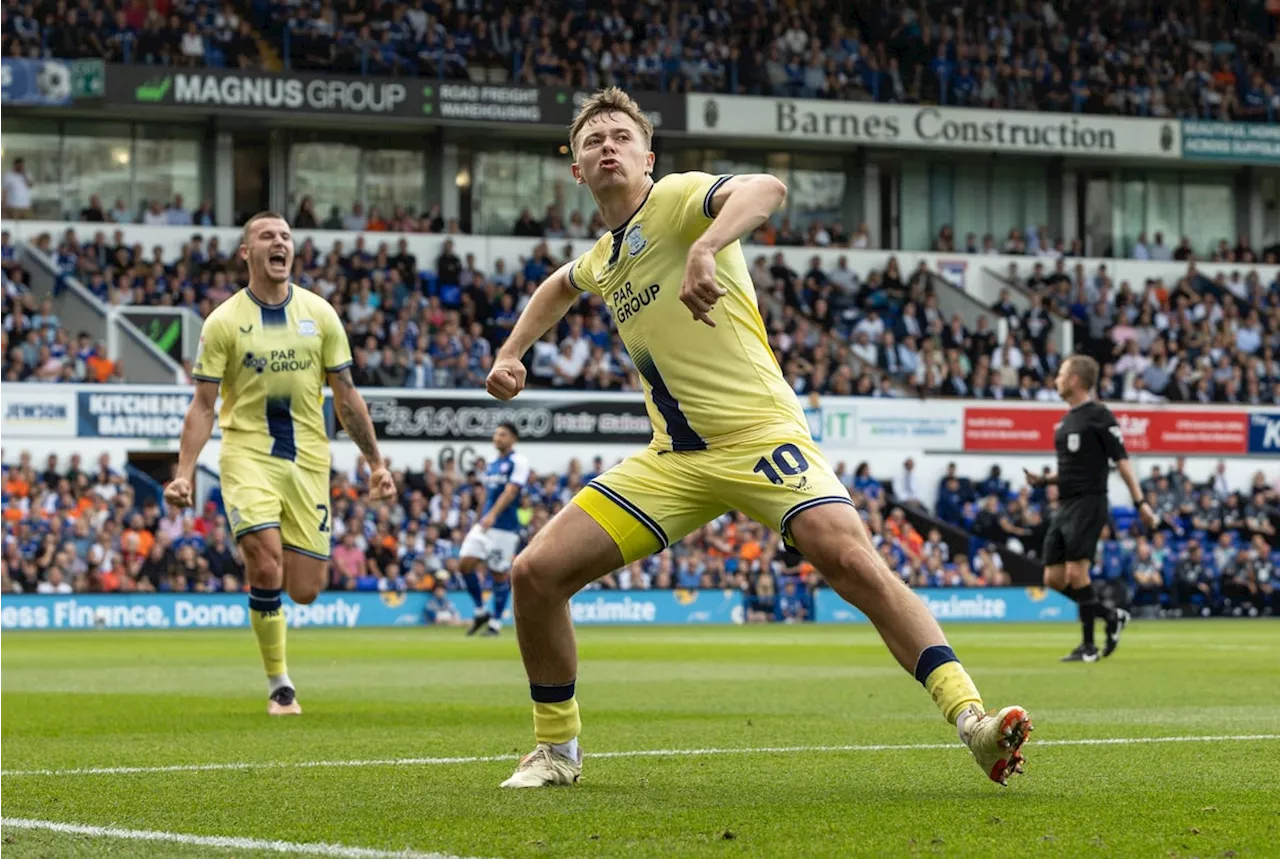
x=610 y=100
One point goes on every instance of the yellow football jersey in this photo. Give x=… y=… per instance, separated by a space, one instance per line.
x=271 y=361
x=704 y=387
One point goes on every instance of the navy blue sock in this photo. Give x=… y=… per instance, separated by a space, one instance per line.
x=473 y=588
x=501 y=591
x=932 y=657
x=266 y=600
x=544 y=693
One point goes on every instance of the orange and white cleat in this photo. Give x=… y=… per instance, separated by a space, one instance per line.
x=995 y=739
x=284 y=702
x=545 y=767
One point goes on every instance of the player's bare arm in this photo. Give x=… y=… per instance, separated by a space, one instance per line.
x=739 y=206
x=1125 y=468
x=197 y=426
x=550 y=302
x=354 y=415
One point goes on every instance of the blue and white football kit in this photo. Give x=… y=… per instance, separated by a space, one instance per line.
x=497 y=546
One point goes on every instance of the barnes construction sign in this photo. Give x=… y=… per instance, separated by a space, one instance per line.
x=929 y=127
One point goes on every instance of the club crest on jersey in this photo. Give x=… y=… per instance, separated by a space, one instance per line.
x=306 y=328
x=1073 y=441
x=635 y=240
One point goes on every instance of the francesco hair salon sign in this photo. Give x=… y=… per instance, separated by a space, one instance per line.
x=537 y=417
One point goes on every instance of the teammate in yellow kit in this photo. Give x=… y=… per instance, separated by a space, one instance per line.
x=270 y=348
x=729 y=434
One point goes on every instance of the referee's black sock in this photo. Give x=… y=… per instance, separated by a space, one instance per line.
x=1090 y=609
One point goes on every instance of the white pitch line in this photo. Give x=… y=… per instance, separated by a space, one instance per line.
x=634 y=753
x=221 y=841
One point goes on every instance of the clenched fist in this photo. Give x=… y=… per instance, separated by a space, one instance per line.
x=506 y=379
x=381 y=485
x=179 y=493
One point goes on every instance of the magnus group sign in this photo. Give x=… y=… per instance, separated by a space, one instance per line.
x=217 y=90
x=246 y=90
x=930 y=127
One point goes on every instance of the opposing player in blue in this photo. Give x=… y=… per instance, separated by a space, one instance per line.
x=494 y=539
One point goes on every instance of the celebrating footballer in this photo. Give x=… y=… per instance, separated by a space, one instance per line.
x=729 y=434
x=269 y=349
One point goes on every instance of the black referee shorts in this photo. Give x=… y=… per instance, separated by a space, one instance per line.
x=1074 y=532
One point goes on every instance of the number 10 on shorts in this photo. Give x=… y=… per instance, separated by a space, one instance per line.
x=785 y=459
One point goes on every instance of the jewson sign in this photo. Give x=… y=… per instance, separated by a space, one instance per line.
x=37 y=412
x=963 y=604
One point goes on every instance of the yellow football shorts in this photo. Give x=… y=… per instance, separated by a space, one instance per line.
x=263 y=492
x=653 y=499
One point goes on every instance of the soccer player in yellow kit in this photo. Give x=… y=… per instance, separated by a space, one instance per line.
x=270 y=348
x=729 y=434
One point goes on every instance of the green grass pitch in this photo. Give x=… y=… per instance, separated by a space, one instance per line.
x=373 y=698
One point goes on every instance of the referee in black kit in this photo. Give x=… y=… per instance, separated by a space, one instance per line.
x=1085 y=440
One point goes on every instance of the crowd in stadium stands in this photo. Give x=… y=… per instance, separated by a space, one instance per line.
x=1180 y=58
x=1201 y=339
x=159 y=32
x=1216 y=549
x=35 y=345
x=423 y=324
x=72 y=527
x=1033 y=241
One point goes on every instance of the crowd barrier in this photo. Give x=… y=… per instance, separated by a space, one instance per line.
x=592 y=608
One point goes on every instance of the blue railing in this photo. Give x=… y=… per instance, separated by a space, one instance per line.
x=145 y=488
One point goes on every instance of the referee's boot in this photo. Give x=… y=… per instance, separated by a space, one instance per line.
x=1116 y=622
x=1082 y=653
